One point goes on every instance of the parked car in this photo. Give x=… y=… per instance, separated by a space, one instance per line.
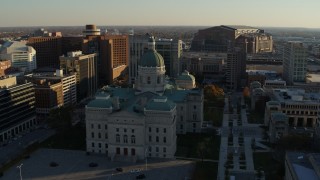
x=119 y=169
x=53 y=164
x=93 y=164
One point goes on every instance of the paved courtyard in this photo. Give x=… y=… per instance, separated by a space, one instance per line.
x=75 y=165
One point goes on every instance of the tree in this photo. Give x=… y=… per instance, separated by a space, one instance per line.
x=246 y=92
x=213 y=92
x=201 y=150
x=61 y=117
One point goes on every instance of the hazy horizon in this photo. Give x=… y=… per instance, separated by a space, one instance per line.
x=272 y=13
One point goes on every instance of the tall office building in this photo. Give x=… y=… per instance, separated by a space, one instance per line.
x=294 y=62
x=17 y=108
x=48 y=50
x=113 y=55
x=171 y=51
x=138 y=45
x=235 y=69
x=85 y=68
x=20 y=55
x=71 y=43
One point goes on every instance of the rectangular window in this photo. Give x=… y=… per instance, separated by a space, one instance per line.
x=157 y=149
x=150 y=138
x=164 y=130
x=124 y=130
x=164 y=139
x=164 y=149
x=92 y=144
x=106 y=126
x=99 y=145
x=194 y=116
x=99 y=126
x=117 y=129
x=157 y=139
x=149 y=129
x=132 y=130
x=92 y=135
x=157 y=130
x=92 y=126
x=106 y=135
x=117 y=138
x=106 y=146
x=99 y=135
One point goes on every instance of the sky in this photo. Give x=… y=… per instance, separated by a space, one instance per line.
x=260 y=13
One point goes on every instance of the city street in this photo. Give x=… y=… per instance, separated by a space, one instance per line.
x=75 y=165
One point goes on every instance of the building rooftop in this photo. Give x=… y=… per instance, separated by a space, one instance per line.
x=235 y=27
x=313 y=78
x=130 y=102
x=160 y=103
x=279 y=116
x=295 y=96
x=305 y=166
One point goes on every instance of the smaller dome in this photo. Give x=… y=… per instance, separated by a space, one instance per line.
x=186 y=76
x=151 y=58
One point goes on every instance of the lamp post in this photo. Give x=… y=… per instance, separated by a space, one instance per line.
x=20 y=170
x=145 y=155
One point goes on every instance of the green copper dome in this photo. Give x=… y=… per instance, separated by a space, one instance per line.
x=151 y=59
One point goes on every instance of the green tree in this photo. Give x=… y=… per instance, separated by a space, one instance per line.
x=61 y=117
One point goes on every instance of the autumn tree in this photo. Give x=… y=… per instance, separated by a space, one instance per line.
x=213 y=92
x=246 y=92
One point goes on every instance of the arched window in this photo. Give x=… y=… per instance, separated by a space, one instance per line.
x=125 y=139
x=133 y=139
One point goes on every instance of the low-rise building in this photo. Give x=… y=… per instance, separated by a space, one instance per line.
x=300 y=166
x=300 y=107
x=49 y=95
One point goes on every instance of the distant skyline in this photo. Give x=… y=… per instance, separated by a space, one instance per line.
x=271 y=13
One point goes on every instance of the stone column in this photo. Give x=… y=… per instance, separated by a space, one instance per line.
x=295 y=122
x=304 y=122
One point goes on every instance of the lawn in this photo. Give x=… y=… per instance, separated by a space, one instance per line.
x=198 y=146
x=73 y=139
x=273 y=169
x=205 y=171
